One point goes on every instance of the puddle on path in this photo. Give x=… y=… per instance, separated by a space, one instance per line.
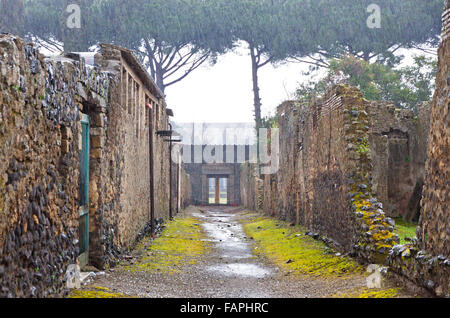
x=231 y=245
x=239 y=269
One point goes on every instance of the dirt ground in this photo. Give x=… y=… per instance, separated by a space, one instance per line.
x=224 y=266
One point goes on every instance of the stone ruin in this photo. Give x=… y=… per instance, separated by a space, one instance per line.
x=41 y=104
x=325 y=180
x=348 y=166
x=426 y=261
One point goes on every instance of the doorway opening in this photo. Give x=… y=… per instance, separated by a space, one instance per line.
x=218 y=190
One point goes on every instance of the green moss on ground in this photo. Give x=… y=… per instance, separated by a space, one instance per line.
x=370 y=293
x=96 y=292
x=404 y=229
x=289 y=248
x=181 y=242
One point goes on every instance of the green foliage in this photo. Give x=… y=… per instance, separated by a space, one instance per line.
x=370 y=293
x=16 y=88
x=283 y=28
x=280 y=28
x=181 y=242
x=270 y=121
x=96 y=292
x=420 y=79
x=174 y=37
x=400 y=27
x=407 y=87
x=363 y=147
x=404 y=229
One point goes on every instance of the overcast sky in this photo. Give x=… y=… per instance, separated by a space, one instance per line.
x=223 y=92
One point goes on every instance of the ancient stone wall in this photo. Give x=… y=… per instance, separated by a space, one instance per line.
x=119 y=181
x=398 y=141
x=248 y=186
x=181 y=187
x=435 y=223
x=270 y=195
x=199 y=169
x=41 y=102
x=39 y=134
x=324 y=180
x=426 y=261
x=344 y=160
x=161 y=162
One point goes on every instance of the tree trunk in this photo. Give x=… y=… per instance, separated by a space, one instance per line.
x=160 y=78
x=256 y=97
x=256 y=101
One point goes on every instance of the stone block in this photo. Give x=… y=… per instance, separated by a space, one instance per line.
x=97 y=142
x=96 y=153
x=65 y=146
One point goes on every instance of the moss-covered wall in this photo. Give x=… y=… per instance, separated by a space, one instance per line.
x=324 y=180
x=344 y=159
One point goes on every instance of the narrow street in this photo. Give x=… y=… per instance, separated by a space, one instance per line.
x=225 y=265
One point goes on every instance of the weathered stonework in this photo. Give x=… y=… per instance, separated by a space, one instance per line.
x=41 y=102
x=248 y=181
x=38 y=227
x=328 y=179
x=347 y=165
x=199 y=172
x=398 y=141
x=185 y=191
x=434 y=233
x=426 y=261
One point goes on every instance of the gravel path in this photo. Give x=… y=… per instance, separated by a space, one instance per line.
x=228 y=270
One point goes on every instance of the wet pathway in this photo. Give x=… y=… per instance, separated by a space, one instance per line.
x=232 y=252
x=229 y=269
